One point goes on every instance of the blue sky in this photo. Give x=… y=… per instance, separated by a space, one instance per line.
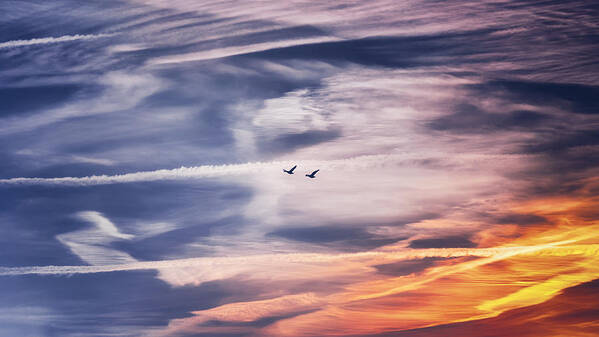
x=142 y=145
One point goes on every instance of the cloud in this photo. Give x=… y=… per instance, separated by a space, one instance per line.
x=469 y=118
x=407 y=267
x=443 y=242
x=426 y=34
x=521 y=219
x=97 y=161
x=103 y=224
x=122 y=91
x=576 y=98
x=92 y=245
x=568 y=313
x=48 y=40
x=243 y=312
x=363 y=293
x=30 y=320
x=340 y=237
x=234 y=50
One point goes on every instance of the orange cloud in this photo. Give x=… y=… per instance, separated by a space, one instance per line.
x=458 y=291
x=544 y=260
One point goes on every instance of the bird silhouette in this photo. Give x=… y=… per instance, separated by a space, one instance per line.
x=313 y=174
x=290 y=171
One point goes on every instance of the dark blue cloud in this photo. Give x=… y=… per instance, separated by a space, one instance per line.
x=292 y=141
x=575 y=98
x=408 y=267
x=565 y=141
x=521 y=219
x=443 y=242
x=377 y=51
x=344 y=238
x=96 y=303
x=470 y=119
x=172 y=242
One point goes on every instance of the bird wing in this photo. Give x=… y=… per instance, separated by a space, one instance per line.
x=293 y=168
x=313 y=173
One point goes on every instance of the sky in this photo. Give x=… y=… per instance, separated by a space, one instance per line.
x=143 y=142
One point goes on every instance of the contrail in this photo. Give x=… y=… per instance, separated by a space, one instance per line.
x=205 y=171
x=372 y=257
x=215 y=171
x=198 y=172
x=46 y=40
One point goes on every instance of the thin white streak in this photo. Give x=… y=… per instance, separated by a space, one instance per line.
x=244 y=312
x=105 y=225
x=205 y=171
x=92 y=244
x=236 y=50
x=123 y=90
x=47 y=40
x=210 y=263
x=215 y=171
x=97 y=161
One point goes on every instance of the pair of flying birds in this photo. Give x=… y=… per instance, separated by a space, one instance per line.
x=311 y=175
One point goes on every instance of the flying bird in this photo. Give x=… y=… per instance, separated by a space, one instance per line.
x=290 y=170
x=313 y=174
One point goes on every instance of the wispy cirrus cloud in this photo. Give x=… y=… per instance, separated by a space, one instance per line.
x=122 y=91
x=236 y=50
x=92 y=244
x=244 y=312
